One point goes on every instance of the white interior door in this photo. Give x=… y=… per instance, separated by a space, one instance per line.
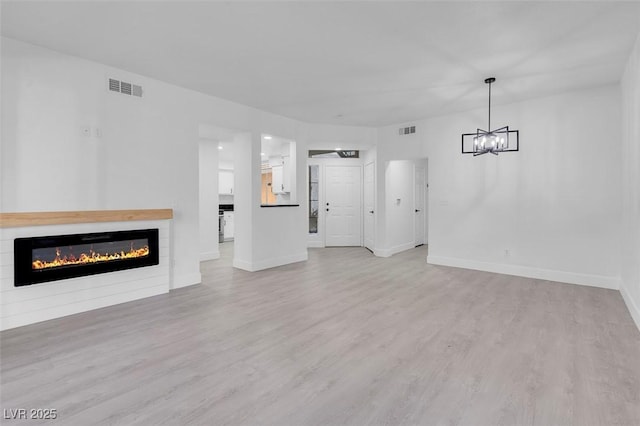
x=419 y=205
x=369 y=201
x=343 y=206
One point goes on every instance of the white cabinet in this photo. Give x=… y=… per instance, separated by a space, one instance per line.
x=228 y=226
x=286 y=174
x=225 y=182
x=277 y=180
x=281 y=177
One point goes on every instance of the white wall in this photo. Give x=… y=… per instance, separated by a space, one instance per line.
x=46 y=99
x=244 y=204
x=555 y=205
x=630 y=253
x=399 y=203
x=147 y=156
x=208 y=199
x=328 y=136
x=391 y=147
x=399 y=217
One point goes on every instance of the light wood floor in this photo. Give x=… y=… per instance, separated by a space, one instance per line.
x=345 y=338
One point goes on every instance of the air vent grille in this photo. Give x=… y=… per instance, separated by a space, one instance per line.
x=114 y=85
x=125 y=88
x=406 y=130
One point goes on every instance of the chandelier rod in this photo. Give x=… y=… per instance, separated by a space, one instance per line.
x=489 y=81
x=489 y=128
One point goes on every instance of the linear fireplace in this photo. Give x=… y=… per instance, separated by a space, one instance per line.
x=52 y=258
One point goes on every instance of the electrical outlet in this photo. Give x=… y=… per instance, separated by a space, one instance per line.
x=507 y=253
x=85 y=131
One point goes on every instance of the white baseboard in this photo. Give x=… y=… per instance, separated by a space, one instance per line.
x=601 y=281
x=209 y=255
x=634 y=310
x=245 y=265
x=186 y=280
x=269 y=263
x=382 y=252
x=393 y=250
x=315 y=244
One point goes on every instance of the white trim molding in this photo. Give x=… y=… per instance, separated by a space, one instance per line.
x=209 y=255
x=269 y=263
x=186 y=280
x=634 y=309
x=608 y=282
x=394 y=250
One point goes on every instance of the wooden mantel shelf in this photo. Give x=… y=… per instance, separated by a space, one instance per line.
x=15 y=220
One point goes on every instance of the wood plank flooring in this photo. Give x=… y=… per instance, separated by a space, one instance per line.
x=345 y=338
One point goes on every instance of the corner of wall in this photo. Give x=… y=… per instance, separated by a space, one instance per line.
x=388 y=252
x=270 y=263
x=630 y=242
x=186 y=280
x=209 y=255
x=634 y=309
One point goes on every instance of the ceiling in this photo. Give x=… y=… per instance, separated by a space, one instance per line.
x=357 y=63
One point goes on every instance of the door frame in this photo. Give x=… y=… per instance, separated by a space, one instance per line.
x=319 y=240
x=424 y=205
x=364 y=212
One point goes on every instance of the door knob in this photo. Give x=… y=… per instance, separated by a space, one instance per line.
x=327 y=203
x=371 y=211
x=417 y=210
x=327 y=209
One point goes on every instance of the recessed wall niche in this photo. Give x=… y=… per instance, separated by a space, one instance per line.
x=278 y=171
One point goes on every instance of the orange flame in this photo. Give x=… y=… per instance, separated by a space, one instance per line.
x=92 y=257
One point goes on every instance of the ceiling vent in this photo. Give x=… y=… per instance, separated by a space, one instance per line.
x=406 y=130
x=125 y=88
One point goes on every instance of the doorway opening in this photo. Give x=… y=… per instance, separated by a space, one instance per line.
x=335 y=197
x=217 y=192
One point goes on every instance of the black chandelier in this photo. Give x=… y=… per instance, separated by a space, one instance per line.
x=493 y=141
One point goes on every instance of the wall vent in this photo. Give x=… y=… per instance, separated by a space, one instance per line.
x=114 y=85
x=406 y=130
x=125 y=88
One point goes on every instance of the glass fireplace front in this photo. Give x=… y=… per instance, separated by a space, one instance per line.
x=51 y=258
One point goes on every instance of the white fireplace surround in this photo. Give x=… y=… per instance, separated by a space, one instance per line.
x=39 y=302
